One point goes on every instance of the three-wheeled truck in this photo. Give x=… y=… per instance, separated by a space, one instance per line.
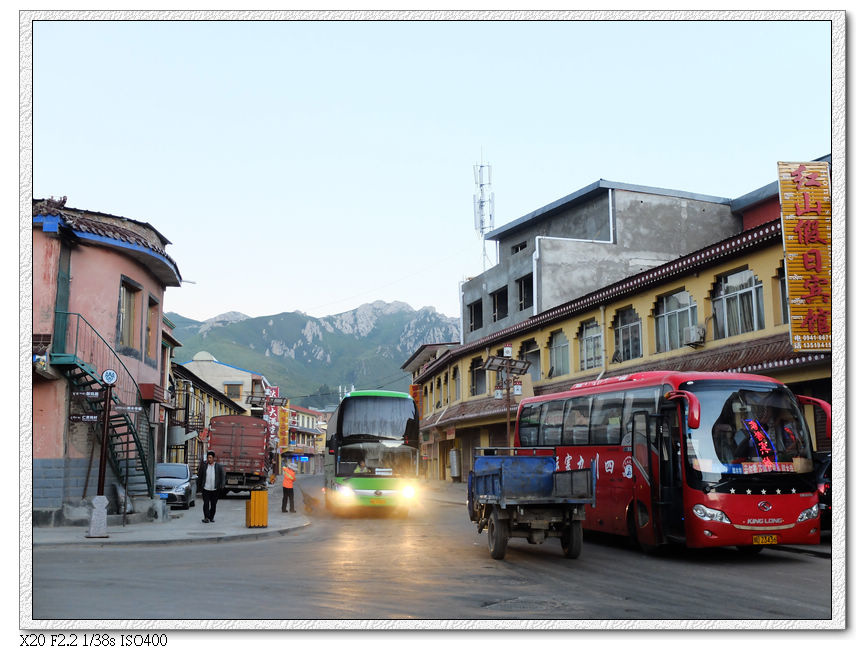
x=519 y=493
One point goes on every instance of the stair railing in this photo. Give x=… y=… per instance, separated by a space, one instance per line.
x=75 y=338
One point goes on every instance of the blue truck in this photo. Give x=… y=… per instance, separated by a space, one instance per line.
x=521 y=493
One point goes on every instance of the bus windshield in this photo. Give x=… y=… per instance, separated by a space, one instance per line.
x=379 y=417
x=385 y=458
x=747 y=429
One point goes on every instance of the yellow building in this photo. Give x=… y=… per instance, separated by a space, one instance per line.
x=720 y=308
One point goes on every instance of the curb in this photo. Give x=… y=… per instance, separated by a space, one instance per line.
x=174 y=541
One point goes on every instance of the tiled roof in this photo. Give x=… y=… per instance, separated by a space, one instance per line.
x=471 y=410
x=81 y=223
x=139 y=239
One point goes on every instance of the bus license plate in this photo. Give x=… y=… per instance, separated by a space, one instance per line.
x=765 y=539
x=377 y=502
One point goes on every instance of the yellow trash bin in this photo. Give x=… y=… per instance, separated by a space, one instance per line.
x=256 y=509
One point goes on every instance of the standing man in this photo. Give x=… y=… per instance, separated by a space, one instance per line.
x=211 y=480
x=288 y=475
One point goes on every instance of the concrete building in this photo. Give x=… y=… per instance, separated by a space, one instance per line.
x=194 y=403
x=238 y=384
x=301 y=438
x=98 y=299
x=598 y=235
x=720 y=305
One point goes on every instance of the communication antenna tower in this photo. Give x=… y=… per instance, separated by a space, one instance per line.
x=485 y=204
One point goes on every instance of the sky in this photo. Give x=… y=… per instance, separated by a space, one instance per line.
x=316 y=166
x=320 y=165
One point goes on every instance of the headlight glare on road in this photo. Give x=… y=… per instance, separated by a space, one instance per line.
x=408 y=492
x=811 y=513
x=710 y=514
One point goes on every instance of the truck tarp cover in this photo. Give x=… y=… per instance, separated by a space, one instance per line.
x=240 y=442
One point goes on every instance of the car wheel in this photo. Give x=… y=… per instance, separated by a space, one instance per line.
x=497 y=535
x=572 y=540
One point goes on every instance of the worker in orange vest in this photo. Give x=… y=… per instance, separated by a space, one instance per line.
x=289 y=471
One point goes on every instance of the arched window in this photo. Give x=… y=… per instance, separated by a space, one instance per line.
x=478 y=377
x=529 y=351
x=673 y=313
x=628 y=331
x=558 y=354
x=590 y=345
x=456 y=377
x=737 y=304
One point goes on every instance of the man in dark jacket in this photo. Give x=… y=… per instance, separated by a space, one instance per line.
x=211 y=481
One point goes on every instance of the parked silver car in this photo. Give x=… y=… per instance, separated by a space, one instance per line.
x=176 y=484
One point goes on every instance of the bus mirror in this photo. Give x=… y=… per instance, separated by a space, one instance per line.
x=693 y=406
x=825 y=406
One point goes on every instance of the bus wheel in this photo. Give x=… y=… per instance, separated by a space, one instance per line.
x=572 y=540
x=648 y=549
x=497 y=535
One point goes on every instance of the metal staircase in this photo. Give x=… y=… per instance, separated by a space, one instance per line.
x=83 y=355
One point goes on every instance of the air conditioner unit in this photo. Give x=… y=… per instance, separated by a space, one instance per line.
x=695 y=335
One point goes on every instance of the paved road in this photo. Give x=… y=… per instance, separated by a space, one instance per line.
x=432 y=565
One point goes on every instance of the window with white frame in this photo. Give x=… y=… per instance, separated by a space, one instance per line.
x=737 y=304
x=529 y=351
x=478 y=377
x=558 y=354
x=782 y=293
x=456 y=382
x=590 y=345
x=628 y=333
x=673 y=313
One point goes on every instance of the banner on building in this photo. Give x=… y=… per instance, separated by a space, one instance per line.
x=806 y=222
x=284 y=425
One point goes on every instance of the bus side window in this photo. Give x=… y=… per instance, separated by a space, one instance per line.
x=576 y=427
x=643 y=399
x=606 y=421
x=551 y=424
x=528 y=426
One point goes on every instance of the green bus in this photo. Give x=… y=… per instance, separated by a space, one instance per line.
x=372 y=453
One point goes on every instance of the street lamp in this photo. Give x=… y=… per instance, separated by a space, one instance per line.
x=510 y=367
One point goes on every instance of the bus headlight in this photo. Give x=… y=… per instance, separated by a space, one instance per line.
x=710 y=514
x=345 y=492
x=408 y=492
x=811 y=513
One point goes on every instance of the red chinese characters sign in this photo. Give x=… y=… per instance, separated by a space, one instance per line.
x=806 y=220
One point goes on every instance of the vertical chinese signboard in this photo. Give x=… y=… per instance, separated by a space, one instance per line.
x=283 y=427
x=806 y=220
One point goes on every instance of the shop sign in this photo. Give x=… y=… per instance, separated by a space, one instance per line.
x=806 y=221
x=88 y=394
x=76 y=417
x=127 y=408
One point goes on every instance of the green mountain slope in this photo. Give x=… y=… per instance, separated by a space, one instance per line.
x=306 y=356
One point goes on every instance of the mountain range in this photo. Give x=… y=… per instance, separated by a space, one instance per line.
x=309 y=358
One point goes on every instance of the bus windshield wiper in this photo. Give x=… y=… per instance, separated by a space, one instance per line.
x=719 y=484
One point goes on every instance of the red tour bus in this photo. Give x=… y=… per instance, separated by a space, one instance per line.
x=704 y=459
